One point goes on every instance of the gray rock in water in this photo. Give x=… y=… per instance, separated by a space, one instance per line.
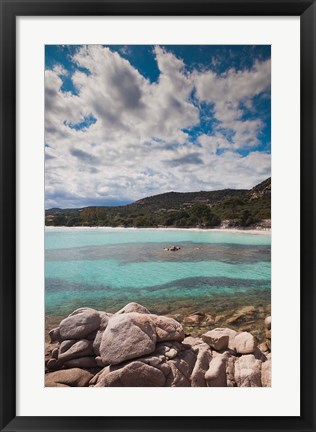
x=127 y=336
x=133 y=307
x=267 y=323
x=68 y=378
x=248 y=371
x=134 y=374
x=202 y=363
x=167 y=329
x=74 y=349
x=79 y=324
x=216 y=373
x=266 y=374
x=216 y=339
x=245 y=343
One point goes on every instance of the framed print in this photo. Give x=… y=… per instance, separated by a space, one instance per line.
x=157 y=202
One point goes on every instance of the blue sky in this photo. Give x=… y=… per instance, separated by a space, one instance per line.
x=125 y=122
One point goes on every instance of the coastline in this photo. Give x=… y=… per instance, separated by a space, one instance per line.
x=266 y=231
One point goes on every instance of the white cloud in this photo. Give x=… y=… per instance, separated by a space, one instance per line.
x=137 y=146
x=228 y=91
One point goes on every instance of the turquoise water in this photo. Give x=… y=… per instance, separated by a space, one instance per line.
x=106 y=268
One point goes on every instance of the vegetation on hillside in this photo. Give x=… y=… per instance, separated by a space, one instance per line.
x=239 y=208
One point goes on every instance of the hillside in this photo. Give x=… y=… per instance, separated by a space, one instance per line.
x=229 y=207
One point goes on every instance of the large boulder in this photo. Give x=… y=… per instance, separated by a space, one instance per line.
x=248 y=371
x=133 y=307
x=127 y=336
x=68 y=378
x=134 y=374
x=216 y=373
x=216 y=339
x=79 y=324
x=167 y=329
x=245 y=343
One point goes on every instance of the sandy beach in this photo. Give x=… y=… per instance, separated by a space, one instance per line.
x=266 y=231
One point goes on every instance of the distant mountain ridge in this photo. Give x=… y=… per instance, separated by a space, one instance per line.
x=240 y=207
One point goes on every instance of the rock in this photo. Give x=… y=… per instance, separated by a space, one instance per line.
x=216 y=373
x=266 y=374
x=202 y=363
x=49 y=350
x=168 y=349
x=134 y=374
x=259 y=355
x=68 y=378
x=133 y=307
x=196 y=318
x=79 y=324
x=230 y=372
x=267 y=323
x=127 y=336
x=53 y=364
x=241 y=315
x=176 y=378
x=167 y=329
x=74 y=349
x=55 y=335
x=268 y=334
x=181 y=369
x=245 y=343
x=97 y=342
x=192 y=341
x=82 y=362
x=103 y=372
x=263 y=348
x=216 y=339
x=55 y=353
x=248 y=371
x=98 y=337
x=230 y=333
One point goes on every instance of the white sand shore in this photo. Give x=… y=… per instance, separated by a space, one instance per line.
x=266 y=231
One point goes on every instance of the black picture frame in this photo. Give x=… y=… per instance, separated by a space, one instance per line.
x=10 y=9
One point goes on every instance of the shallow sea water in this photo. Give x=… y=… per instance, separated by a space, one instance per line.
x=107 y=268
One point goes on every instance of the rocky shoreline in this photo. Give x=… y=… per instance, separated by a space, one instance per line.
x=135 y=348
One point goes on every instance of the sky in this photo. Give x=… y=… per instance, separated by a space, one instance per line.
x=126 y=122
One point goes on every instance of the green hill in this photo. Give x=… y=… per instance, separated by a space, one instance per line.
x=231 y=207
